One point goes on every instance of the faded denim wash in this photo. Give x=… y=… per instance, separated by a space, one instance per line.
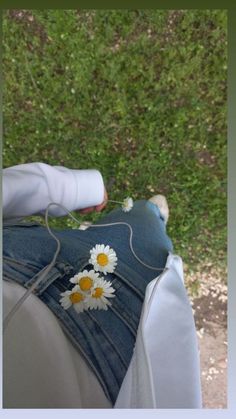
x=105 y=338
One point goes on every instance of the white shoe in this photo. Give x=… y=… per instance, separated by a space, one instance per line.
x=161 y=202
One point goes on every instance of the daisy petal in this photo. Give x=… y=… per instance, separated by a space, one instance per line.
x=103 y=258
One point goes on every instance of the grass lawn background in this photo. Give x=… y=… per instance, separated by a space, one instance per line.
x=139 y=95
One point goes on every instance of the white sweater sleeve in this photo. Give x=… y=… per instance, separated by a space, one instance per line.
x=29 y=188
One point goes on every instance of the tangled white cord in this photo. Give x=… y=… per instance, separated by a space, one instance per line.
x=47 y=268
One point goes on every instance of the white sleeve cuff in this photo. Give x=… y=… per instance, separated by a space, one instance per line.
x=29 y=188
x=90 y=188
x=75 y=189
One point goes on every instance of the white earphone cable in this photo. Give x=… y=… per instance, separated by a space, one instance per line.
x=47 y=268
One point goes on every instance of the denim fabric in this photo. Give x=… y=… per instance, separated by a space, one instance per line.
x=105 y=338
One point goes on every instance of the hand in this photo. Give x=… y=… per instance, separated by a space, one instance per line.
x=97 y=208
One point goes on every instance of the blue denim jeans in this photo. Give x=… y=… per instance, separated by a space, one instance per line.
x=105 y=338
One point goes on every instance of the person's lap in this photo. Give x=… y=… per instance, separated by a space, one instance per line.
x=150 y=241
x=106 y=341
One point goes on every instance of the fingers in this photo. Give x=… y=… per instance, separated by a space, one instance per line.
x=100 y=207
x=87 y=210
x=97 y=208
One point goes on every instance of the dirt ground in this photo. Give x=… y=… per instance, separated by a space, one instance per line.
x=210 y=311
x=213 y=355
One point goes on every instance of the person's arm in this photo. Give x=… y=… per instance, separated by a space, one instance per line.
x=29 y=188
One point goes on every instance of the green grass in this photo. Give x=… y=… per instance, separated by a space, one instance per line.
x=138 y=94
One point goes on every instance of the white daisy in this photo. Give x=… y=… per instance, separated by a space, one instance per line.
x=103 y=258
x=74 y=297
x=85 y=280
x=100 y=294
x=128 y=204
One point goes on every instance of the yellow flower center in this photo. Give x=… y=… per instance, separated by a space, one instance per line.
x=102 y=259
x=98 y=292
x=85 y=283
x=76 y=297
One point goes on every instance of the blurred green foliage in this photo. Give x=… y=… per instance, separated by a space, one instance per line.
x=139 y=95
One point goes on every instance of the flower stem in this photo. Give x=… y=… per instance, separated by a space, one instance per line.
x=116 y=202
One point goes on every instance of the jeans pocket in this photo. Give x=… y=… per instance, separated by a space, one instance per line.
x=20 y=271
x=26 y=273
